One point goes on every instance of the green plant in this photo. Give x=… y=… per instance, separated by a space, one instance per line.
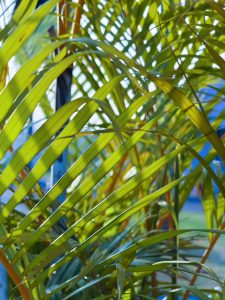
x=136 y=119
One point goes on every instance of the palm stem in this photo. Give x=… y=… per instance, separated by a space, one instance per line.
x=15 y=278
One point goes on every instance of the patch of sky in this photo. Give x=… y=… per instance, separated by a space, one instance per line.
x=118 y=46
x=113 y=107
x=75 y=92
x=109 y=37
x=130 y=173
x=192 y=64
x=182 y=81
x=130 y=93
x=114 y=30
x=153 y=29
x=81 y=79
x=176 y=66
x=126 y=103
x=84 y=21
x=146 y=11
x=159 y=47
x=151 y=87
x=124 y=83
x=139 y=28
x=184 y=51
x=74 y=184
x=92 y=35
x=160 y=9
x=87 y=86
x=140 y=109
x=223 y=55
x=200 y=50
x=128 y=34
x=215 y=66
x=95 y=120
x=141 y=61
x=131 y=52
x=104 y=21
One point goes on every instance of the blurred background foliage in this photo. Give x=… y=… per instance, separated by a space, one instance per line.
x=143 y=131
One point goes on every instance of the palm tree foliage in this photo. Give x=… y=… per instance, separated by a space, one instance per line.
x=140 y=112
